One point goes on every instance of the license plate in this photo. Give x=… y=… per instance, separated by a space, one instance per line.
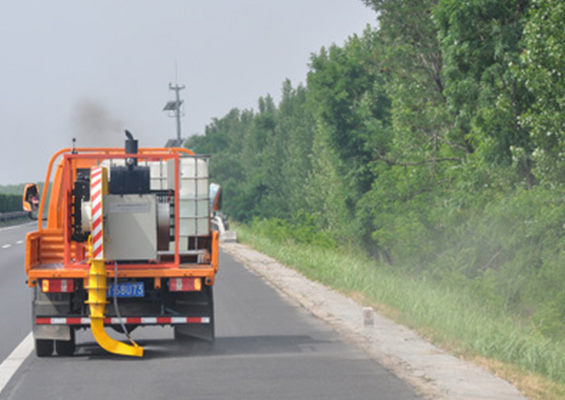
x=127 y=289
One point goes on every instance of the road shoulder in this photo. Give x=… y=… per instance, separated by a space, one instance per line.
x=432 y=372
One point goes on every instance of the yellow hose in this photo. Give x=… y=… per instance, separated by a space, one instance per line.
x=97 y=275
x=97 y=302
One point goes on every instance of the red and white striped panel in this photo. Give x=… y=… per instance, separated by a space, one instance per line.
x=96 y=201
x=129 y=320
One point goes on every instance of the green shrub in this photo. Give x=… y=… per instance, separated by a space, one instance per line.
x=300 y=230
x=10 y=202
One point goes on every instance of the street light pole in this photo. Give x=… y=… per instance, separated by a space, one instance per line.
x=176 y=108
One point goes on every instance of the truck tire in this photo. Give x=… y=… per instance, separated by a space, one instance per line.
x=44 y=347
x=66 y=348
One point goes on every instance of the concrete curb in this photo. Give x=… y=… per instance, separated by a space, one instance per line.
x=432 y=372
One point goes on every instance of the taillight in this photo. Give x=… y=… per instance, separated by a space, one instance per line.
x=58 y=285
x=185 y=284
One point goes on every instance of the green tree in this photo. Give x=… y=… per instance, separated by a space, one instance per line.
x=349 y=105
x=544 y=77
x=346 y=90
x=480 y=40
x=295 y=135
x=413 y=60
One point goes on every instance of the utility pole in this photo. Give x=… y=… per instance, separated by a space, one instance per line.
x=174 y=106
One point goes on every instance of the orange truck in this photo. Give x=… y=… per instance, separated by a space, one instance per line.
x=127 y=243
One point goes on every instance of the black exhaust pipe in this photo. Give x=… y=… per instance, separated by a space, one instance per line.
x=131 y=179
x=131 y=148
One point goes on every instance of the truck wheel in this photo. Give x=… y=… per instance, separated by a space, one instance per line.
x=66 y=348
x=43 y=347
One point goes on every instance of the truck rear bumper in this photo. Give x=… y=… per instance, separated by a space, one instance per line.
x=59 y=328
x=137 y=321
x=205 y=271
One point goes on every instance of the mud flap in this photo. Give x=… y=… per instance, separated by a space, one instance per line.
x=55 y=332
x=192 y=331
x=50 y=305
x=200 y=304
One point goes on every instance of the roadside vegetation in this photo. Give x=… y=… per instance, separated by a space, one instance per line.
x=10 y=202
x=455 y=318
x=430 y=151
x=11 y=197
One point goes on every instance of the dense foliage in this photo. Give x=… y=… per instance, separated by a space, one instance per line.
x=435 y=143
x=10 y=202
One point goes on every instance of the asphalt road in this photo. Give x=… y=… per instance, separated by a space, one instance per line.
x=266 y=348
x=15 y=297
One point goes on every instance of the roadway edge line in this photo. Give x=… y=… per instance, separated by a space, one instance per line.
x=13 y=362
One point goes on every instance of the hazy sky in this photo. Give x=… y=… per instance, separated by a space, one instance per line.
x=87 y=69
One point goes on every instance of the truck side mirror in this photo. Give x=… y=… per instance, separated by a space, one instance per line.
x=30 y=199
x=215 y=197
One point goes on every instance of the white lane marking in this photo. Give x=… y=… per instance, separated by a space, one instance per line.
x=20 y=242
x=11 y=364
x=6 y=246
x=17 y=226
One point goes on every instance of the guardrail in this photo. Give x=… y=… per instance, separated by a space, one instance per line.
x=5 y=217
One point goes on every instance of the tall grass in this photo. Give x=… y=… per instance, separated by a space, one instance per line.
x=455 y=316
